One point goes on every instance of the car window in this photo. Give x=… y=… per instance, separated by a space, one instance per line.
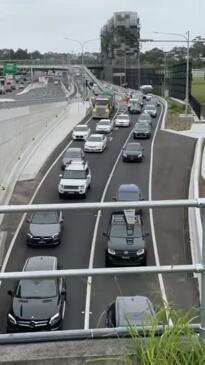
x=44 y=218
x=74 y=174
x=38 y=288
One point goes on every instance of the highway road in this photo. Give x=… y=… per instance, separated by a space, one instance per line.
x=75 y=250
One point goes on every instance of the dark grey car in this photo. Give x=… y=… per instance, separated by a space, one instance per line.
x=37 y=304
x=133 y=152
x=130 y=311
x=126 y=240
x=72 y=154
x=142 y=130
x=45 y=228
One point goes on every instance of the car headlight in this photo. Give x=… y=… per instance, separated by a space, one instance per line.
x=139 y=155
x=11 y=319
x=140 y=252
x=60 y=187
x=107 y=110
x=111 y=251
x=54 y=319
x=29 y=235
x=82 y=187
x=56 y=235
x=124 y=155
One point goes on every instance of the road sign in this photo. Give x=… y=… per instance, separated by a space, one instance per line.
x=9 y=68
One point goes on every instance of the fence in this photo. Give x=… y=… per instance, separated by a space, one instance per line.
x=196 y=106
x=198 y=268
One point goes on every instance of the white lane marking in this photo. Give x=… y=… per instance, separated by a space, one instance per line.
x=156 y=254
x=93 y=244
x=5 y=262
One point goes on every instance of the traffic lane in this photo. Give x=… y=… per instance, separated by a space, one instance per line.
x=75 y=248
x=173 y=158
x=48 y=91
x=142 y=284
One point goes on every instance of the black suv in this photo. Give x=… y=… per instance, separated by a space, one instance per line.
x=126 y=240
x=130 y=311
x=37 y=304
x=45 y=228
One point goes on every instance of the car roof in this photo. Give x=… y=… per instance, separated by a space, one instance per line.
x=128 y=188
x=36 y=263
x=76 y=165
x=104 y=120
x=132 y=310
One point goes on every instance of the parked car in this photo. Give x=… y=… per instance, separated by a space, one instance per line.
x=130 y=311
x=142 y=130
x=126 y=244
x=37 y=304
x=133 y=152
x=81 y=132
x=45 y=228
x=104 y=126
x=95 y=143
x=75 y=180
x=122 y=120
x=72 y=154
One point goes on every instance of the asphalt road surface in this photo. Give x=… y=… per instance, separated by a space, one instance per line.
x=74 y=252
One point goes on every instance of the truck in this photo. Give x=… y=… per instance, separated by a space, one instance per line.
x=103 y=105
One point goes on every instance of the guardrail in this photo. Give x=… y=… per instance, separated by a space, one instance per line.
x=198 y=268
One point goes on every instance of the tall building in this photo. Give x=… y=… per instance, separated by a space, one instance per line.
x=120 y=37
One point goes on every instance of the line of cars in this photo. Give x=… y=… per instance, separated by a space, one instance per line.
x=39 y=304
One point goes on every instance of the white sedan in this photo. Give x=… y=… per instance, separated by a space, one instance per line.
x=122 y=120
x=95 y=143
x=104 y=126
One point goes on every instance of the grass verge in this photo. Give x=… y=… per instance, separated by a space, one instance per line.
x=173 y=117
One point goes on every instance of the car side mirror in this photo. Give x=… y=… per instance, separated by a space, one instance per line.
x=10 y=292
x=28 y=220
x=60 y=175
x=61 y=220
x=105 y=234
x=114 y=198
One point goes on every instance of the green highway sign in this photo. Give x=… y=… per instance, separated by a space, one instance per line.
x=9 y=68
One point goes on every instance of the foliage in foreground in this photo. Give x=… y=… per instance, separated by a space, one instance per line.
x=177 y=345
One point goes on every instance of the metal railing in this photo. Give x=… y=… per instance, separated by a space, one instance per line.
x=198 y=268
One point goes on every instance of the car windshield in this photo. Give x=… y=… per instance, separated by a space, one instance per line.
x=74 y=174
x=94 y=139
x=45 y=218
x=104 y=122
x=81 y=129
x=122 y=230
x=144 y=117
x=72 y=153
x=133 y=147
x=122 y=117
x=149 y=107
x=37 y=289
x=102 y=102
x=142 y=126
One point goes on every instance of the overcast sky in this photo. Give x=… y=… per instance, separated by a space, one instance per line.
x=43 y=24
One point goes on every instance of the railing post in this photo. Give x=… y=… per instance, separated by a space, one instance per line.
x=202 y=310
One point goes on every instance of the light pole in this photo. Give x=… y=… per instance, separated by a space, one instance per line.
x=82 y=45
x=187 y=39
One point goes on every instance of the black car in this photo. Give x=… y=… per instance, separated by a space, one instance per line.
x=133 y=152
x=142 y=130
x=129 y=193
x=126 y=240
x=72 y=154
x=130 y=311
x=45 y=228
x=37 y=304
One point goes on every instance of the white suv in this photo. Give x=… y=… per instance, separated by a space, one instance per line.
x=75 y=180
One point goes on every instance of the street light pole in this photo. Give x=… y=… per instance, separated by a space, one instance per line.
x=187 y=39
x=82 y=45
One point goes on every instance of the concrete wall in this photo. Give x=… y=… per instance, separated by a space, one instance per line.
x=19 y=127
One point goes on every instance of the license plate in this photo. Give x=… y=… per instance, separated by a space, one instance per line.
x=126 y=257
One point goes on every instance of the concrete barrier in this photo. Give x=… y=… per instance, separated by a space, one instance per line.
x=195 y=224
